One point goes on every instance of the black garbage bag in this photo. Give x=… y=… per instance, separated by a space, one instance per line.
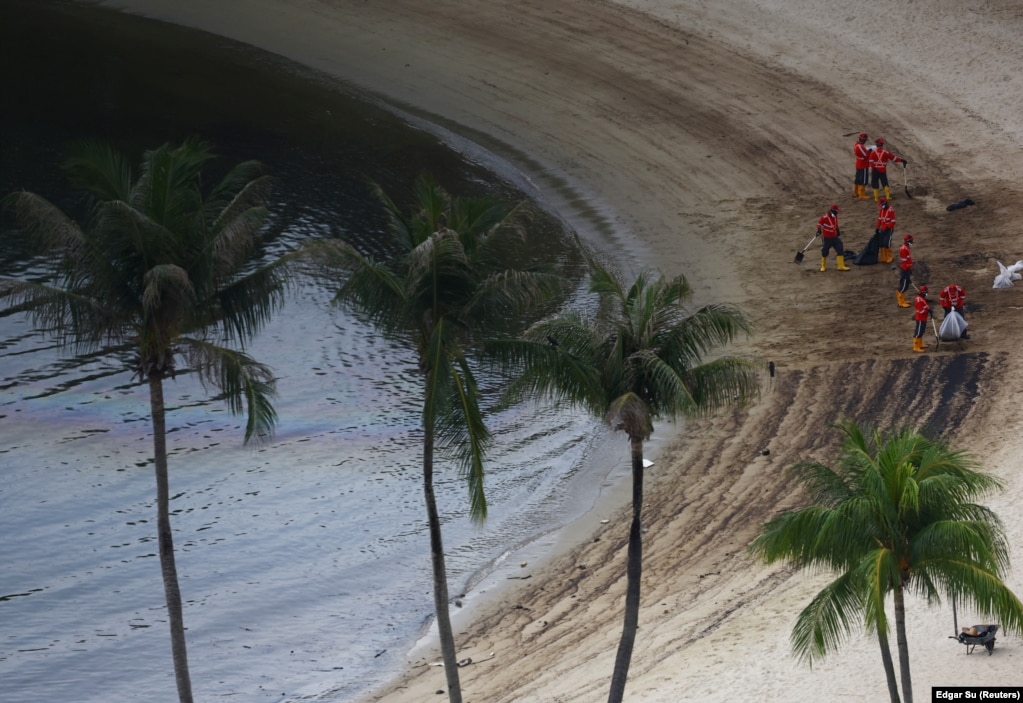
x=959 y=205
x=868 y=255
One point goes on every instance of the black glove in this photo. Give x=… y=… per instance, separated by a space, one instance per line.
x=905 y=161
x=877 y=231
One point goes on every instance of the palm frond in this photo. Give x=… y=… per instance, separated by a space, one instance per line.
x=460 y=426
x=101 y=170
x=168 y=189
x=246 y=304
x=508 y=293
x=825 y=623
x=551 y=361
x=45 y=227
x=715 y=385
x=245 y=185
x=76 y=321
x=823 y=485
x=245 y=384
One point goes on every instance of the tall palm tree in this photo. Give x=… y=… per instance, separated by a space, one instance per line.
x=452 y=280
x=164 y=269
x=896 y=513
x=640 y=359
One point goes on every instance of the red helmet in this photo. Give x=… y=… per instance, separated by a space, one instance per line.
x=908 y=239
x=923 y=289
x=880 y=141
x=834 y=208
x=882 y=200
x=863 y=136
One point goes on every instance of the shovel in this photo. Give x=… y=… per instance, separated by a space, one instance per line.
x=905 y=180
x=799 y=254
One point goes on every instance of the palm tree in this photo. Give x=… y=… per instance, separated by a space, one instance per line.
x=897 y=513
x=641 y=359
x=452 y=279
x=165 y=270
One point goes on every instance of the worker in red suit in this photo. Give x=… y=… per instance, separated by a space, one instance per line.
x=831 y=238
x=879 y=158
x=922 y=313
x=884 y=229
x=953 y=297
x=861 y=152
x=905 y=270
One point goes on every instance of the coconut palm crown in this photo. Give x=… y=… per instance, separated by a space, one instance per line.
x=164 y=268
x=896 y=514
x=643 y=356
x=451 y=282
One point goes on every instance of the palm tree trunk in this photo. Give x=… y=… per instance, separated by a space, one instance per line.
x=166 y=541
x=634 y=571
x=903 y=643
x=440 y=576
x=889 y=666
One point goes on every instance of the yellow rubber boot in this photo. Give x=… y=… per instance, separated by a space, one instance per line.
x=918 y=344
x=923 y=344
x=882 y=255
x=841 y=264
x=824 y=263
x=875 y=195
x=901 y=299
x=887 y=193
x=863 y=193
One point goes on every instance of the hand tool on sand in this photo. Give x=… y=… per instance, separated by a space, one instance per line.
x=799 y=254
x=905 y=180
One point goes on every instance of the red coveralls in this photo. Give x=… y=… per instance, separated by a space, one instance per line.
x=879 y=158
x=886 y=226
x=862 y=154
x=922 y=314
x=952 y=296
x=906 y=266
x=827 y=227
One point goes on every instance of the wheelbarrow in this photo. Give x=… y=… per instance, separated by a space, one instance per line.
x=978 y=636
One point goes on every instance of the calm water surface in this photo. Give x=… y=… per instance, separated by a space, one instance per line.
x=303 y=563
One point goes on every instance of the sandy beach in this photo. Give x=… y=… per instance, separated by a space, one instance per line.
x=708 y=137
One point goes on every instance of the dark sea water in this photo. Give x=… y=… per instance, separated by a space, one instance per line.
x=303 y=563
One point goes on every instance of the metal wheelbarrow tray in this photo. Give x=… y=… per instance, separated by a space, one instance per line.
x=985 y=637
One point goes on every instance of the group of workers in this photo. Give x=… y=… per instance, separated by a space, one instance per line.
x=873 y=161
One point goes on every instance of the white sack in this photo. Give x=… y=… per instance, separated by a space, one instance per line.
x=1004 y=278
x=952 y=327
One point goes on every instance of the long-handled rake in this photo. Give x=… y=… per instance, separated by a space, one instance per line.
x=905 y=180
x=799 y=254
